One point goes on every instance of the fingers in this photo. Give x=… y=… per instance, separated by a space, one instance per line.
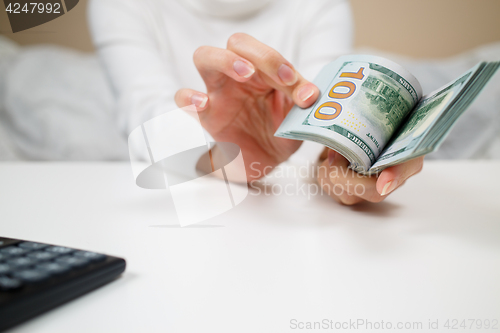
x=363 y=187
x=393 y=177
x=185 y=97
x=278 y=69
x=264 y=57
x=245 y=55
x=349 y=187
x=338 y=192
x=215 y=65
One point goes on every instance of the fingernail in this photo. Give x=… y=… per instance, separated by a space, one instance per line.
x=305 y=93
x=389 y=187
x=199 y=100
x=243 y=69
x=287 y=75
x=331 y=157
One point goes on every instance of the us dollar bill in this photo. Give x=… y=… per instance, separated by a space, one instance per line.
x=372 y=111
x=363 y=101
x=434 y=116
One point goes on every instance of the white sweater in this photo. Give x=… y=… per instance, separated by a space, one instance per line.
x=147 y=46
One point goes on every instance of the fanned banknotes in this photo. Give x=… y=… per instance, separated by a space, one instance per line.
x=372 y=111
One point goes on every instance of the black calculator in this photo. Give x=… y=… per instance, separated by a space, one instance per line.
x=36 y=277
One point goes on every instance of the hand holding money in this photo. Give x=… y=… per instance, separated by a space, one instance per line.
x=373 y=116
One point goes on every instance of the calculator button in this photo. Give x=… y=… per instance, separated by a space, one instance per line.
x=53 y=268
x=7 y=283
x=32 y=245
x=92 y=256
x=31 y=275
x=21 y=262
x=73 y=261
x=13 y=251
x=3 y=256
x=59 y=249
x=42 y=255
x=5 y=269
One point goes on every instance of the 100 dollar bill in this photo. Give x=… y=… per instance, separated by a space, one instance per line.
x=363 y=101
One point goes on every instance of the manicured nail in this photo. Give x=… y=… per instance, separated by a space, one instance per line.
x=305 y=93
x=199 y=100
x=287 y=75
x=331 y=157
x=389 y=187
x=243 y=69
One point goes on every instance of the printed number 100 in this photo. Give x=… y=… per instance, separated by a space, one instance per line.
x=36 y=7
x=351 y=86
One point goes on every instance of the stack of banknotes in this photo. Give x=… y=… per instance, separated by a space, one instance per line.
x=372 y=111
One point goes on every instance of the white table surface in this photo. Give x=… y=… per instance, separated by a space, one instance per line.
x=430 y=252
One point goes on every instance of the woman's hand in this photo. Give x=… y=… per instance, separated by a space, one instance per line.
x=348 y=187
x=250 y=90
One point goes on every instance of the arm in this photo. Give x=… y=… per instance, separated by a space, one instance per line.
x=139 y=68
